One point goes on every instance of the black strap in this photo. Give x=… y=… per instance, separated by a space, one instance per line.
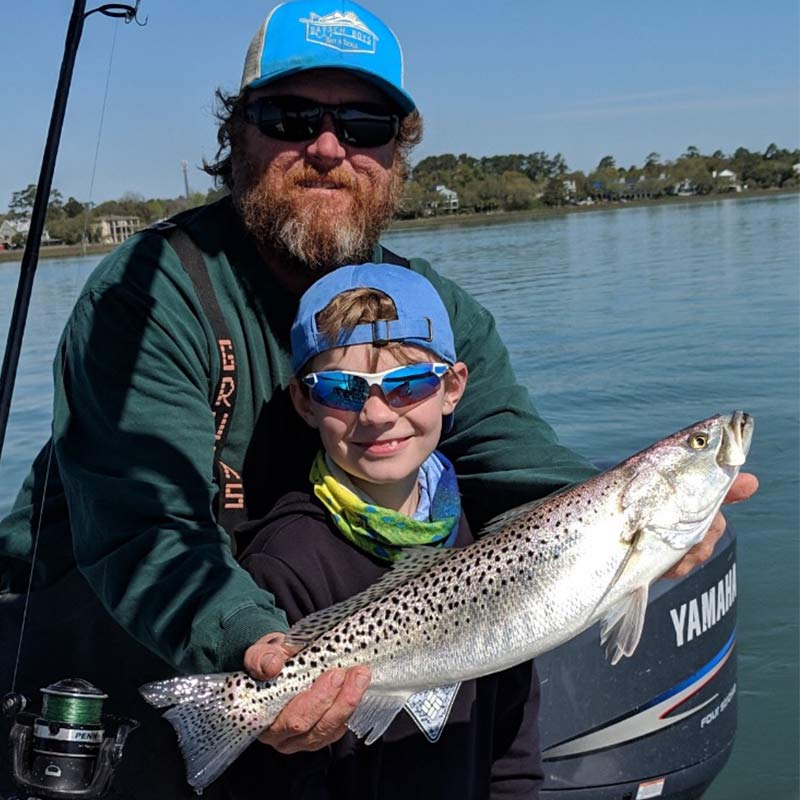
x=231 y=509
x=388 y=257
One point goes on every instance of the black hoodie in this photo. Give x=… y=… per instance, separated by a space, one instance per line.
x=489 y=747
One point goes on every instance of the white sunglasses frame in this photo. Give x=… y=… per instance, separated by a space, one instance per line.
x=438 y=368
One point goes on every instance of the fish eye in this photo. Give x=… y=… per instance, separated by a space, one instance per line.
x=698 y=441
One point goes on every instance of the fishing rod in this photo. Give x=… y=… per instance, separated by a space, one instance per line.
x=30 y=258
x=70 y=749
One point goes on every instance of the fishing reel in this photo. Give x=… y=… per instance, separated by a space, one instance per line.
x=70 y=750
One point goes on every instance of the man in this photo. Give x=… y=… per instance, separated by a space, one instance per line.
x=132 y=559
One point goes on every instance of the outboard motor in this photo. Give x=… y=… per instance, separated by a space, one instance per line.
x=70 y=750
x=660 y=724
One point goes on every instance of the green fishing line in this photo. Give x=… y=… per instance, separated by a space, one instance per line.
x=74 y=710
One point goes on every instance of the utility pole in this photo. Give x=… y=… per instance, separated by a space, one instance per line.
x=184 y=167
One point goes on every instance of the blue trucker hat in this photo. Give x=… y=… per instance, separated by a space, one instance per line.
x=421 y=316
x=326 y=34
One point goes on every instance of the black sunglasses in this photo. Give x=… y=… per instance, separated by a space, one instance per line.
x=297 y=119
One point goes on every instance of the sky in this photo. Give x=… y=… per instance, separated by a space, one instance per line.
x=580 y=77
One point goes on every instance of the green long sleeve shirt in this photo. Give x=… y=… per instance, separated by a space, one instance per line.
x=129 y=499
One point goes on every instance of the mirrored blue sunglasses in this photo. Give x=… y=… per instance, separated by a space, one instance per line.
x=401 y=386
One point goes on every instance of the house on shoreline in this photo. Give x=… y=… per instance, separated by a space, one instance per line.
x=14 y=232
x=115 y=228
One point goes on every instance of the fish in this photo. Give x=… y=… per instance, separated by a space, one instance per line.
x=536 y=576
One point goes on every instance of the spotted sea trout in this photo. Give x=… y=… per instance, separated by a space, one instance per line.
x=536 y=577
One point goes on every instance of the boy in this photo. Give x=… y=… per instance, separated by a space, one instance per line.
x=377 y=375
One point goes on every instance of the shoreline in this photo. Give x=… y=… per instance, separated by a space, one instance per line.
x=453 y=220
x=492 y=217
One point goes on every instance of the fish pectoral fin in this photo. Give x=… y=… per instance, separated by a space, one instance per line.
x=622 y=625
x=431 y=708
x=628 y=562
x=374 y=714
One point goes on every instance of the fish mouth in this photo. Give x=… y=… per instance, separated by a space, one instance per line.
x=737 y=433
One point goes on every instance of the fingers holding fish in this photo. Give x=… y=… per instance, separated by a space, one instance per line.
x=701 y=552
x=265 y=658
x=318 y=716
x=743 y=488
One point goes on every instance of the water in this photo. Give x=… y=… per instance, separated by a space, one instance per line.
x=624 y=325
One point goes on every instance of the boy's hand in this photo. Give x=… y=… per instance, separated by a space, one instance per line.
x=741 y=489
x=316 y=717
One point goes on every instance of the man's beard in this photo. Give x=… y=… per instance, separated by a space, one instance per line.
x=279 y=213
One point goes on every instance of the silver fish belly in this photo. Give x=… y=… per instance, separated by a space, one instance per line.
x=538 y=576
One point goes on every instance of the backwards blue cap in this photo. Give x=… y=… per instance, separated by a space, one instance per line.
x=326 y=34
x=421 y=316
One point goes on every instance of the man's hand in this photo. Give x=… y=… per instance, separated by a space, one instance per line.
x=316 y=717
x=742 y=488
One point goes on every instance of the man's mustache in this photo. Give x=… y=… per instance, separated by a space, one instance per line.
x=308 y=177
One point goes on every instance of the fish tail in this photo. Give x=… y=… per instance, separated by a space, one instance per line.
x=214 y=722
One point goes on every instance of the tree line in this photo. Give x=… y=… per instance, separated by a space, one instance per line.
x=518 y=182
x=491 y=183
x=73 y=222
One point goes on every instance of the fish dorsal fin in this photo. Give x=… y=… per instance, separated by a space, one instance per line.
x=495 y=524
x=622 y=625
x=415 y=560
